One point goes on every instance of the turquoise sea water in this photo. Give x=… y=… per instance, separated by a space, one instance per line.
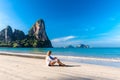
x=99 y=56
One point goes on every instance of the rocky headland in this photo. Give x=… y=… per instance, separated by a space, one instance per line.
x=36 y=37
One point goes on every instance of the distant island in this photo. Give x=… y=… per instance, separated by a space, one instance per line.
x=36 y=37
x=77 y=46
x=82 y=46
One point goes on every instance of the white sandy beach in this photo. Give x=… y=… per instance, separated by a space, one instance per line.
x=24 y=68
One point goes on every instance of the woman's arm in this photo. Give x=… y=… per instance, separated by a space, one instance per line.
x=52 y=58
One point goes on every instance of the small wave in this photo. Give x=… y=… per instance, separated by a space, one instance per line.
x=12 y=52
x=89 y=58
x=74 y=58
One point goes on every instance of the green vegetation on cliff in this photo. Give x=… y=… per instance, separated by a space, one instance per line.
x=36 y=37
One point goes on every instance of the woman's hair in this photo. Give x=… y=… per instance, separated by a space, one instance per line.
x=49 y=53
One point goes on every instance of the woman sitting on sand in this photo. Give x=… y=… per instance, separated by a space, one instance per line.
x=50 y=61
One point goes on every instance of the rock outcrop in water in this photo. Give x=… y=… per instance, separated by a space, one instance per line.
x=36 y=37
x=78 y=46
x=82 y=46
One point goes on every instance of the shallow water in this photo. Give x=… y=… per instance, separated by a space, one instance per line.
x=99 y=56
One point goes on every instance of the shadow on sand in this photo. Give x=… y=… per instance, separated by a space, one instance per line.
x=66 y=66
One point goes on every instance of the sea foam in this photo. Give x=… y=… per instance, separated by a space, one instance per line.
x=88 y=58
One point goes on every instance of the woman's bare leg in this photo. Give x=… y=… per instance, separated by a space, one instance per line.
x=60 y=63
x=52 y=63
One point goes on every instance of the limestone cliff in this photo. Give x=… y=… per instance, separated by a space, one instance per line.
x=18 y=35
x=38 y=30
x=6 y=35
x=36 y=37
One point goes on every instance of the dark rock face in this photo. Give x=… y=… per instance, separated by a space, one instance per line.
x=6 y=35
x=18 y=35
x=38 y=30
x=36 y=37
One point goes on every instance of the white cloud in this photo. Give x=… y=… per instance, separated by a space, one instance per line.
x=61 y=39
x=109 y=39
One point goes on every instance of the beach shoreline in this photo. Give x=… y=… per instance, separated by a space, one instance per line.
x=32 y=68
x=75 y=59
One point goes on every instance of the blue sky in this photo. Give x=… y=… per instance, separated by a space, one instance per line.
x=92 y=22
